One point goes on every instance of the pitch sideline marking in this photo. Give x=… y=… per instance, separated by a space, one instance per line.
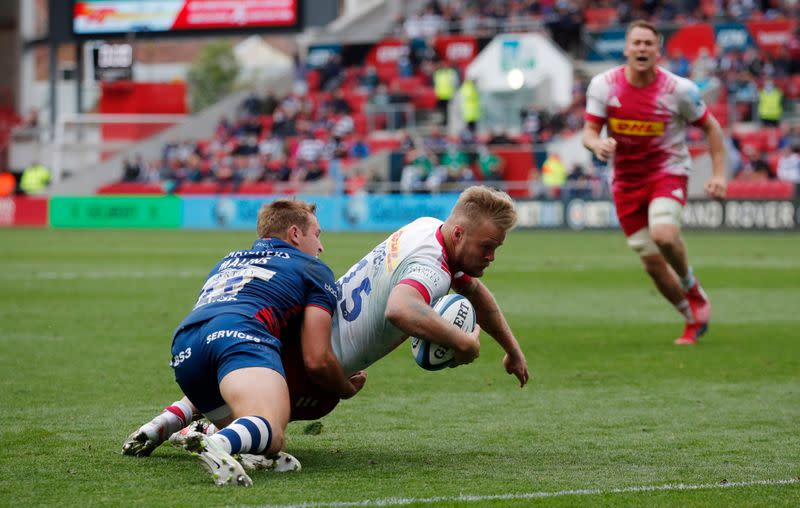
x=393 y=501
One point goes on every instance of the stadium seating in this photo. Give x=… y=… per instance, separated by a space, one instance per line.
x=771 y=189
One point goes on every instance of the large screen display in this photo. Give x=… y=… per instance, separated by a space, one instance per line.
x=98 y=17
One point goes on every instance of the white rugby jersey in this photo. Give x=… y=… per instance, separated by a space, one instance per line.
x=649 y=123
x=412 y=255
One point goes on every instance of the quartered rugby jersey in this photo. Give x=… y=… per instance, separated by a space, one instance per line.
x=649 y=123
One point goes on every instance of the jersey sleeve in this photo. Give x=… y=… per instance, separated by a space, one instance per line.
x=690 y=104
x=321 y=287
x=430 y=280
x=596 y=101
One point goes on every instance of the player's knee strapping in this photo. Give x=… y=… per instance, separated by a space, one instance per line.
x=641 y=242
x=248 y=434
x=665 y=211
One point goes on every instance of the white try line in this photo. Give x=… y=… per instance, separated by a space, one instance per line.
x=401 y=501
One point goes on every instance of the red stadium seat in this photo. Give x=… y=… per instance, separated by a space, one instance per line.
x=387 y=74
x=313 y=80
x=257 y=188
x=360 y=123
x=793 y=88
x=425 y=98
x=720 y=112
x=772 y=160
x=772 y=138
x=409 y=85
x=599 y=17
x=771 y=189
x=377 y=144
x=131 y=188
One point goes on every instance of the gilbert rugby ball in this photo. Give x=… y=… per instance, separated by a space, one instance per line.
x=454 y=309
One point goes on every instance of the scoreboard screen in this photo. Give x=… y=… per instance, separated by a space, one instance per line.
x=108 y=17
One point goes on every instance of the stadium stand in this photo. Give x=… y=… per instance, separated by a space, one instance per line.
x=351 y=112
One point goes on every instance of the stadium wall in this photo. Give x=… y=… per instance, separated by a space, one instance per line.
x=366 y=212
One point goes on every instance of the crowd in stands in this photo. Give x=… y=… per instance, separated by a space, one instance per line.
x=336 y=113
x=270 y=139
x=566 y=18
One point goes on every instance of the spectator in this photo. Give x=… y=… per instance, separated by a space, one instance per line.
x=435 y=141
x=445 y=83
x=251 y=106
x=269 y=104
x=133 y=171
x=578 y=183
x=789 y=165
x=369 y=80
x=359 y=149
x=491 y=166
x=337 y=104
x=470 y=104
x=500 y=137
x=679 y=64
x=770 y=107
x=554 y=174
x=35 y=179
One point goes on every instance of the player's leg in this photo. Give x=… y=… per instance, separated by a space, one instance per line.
x=198 y=375
x=665 y=216
x=259 y=403
x=659 y=270
x=149 y=436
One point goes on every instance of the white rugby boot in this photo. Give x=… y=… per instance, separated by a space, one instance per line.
x=224 y=469
x=280 y=463
x=202 y=426
x=146 y=439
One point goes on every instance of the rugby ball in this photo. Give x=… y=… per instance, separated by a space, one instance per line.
x=454 y=309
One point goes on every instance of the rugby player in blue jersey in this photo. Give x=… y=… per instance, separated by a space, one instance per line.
x=226 y=353
x=386 y=297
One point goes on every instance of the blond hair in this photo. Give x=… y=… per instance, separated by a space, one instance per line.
x=275 y=219
x=640 y=23
x=479 y=203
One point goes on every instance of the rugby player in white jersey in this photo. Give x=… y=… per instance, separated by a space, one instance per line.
x=387 y=296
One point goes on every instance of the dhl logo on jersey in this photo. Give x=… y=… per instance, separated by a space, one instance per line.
x=636 y=127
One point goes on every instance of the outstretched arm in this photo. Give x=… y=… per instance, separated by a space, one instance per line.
x=491 y=318
x=321 y=364
x=408 y=311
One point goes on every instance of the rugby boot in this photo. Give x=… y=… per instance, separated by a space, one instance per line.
x=224 y=469
x=691 y=333
x=280 y=463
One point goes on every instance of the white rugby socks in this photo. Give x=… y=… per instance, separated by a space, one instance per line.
x=174 y=417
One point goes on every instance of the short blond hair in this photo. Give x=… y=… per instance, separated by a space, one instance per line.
x=640 y=23
x=478 y=203
x=275 y=219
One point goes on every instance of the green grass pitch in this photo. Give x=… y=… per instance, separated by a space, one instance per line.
x=85 y=325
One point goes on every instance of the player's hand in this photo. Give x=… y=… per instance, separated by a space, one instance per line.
x=518 y=366
x=605 y=149
x=357 y=381
x=716 y=186
x=469 y=354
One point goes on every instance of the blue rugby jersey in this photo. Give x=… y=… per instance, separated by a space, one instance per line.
x=272 y=282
